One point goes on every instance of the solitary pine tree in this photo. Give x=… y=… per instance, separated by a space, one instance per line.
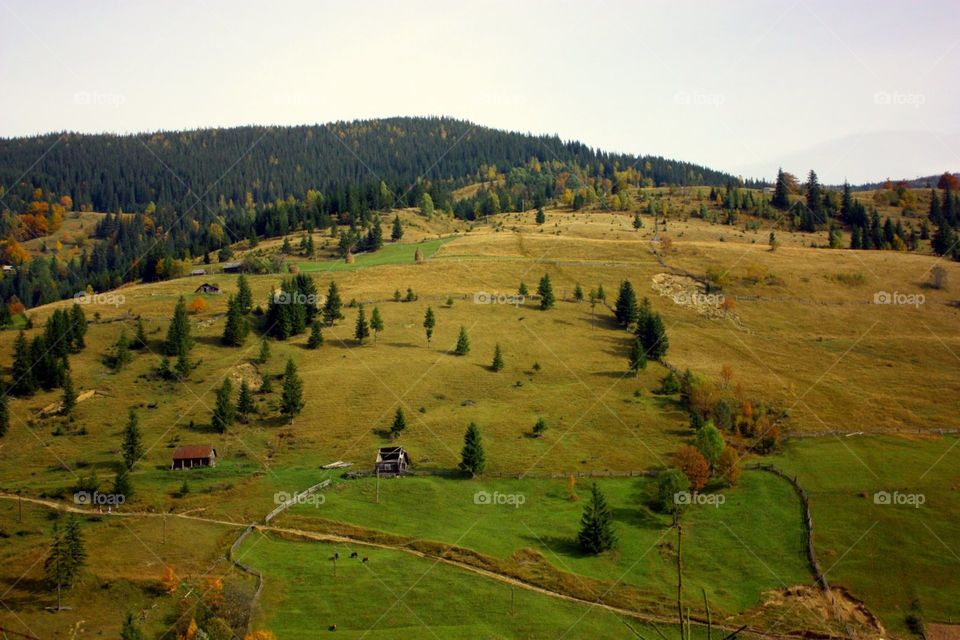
x=472 y=458
x=223 y=410
x=540 y=427
x=362 y=330
x=399 y=423
x=132 y=447
x=463 y=343
x=376 y=323
x=264 y=354
x=781 y=192
x=178 y=333
x=429 y=322
x=541 y=216
x=578 y=293
x=244 y=295
x=316 y=336
x=497 y=364
x=545 y=291
x=291 y=402
x=397 y=232
x=637 y=221
x=236 y=328
x=333 y=304
x=245 y=400
x=596 y=526
x=522 y=290
x=69 y=394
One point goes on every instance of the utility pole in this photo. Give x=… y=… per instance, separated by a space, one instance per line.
x=680 y=574
x=378 y=486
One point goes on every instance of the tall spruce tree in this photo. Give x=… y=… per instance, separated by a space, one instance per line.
x=362 y=329
x=396 y=233
x=69 y=399
x=132 y=447
x=376 y=323
x=315 y=341
x=429 y=322
x=625 y=309
x=333 y=304
x=178 y=334
x=472 y=458
x=244 y=295
x=781 y=192
x=463 y=343
x=236 y=328
x=223 y=410
x=497 y=364
x=23 y=381
x=399 y=423
x=596 y=525
x=638 y=357
x=291 y=403
x=245 y=400
x=545 y=291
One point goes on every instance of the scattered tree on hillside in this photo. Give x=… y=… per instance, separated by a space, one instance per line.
x=670 y=483
x=637 y=221
x=362 y=329
x=727 y=466
x=140 y=336
x=463 y=343
x=223 y=410
x=120 y=356
x=69 y=400
x=122 y=485
x=178 y=339
x=472 y=457
x=596 y=525
x=709 y=442
x=781 y=192
x=638 y=357
x=694 y=466
x=264 y=354
x=578 y=293
x=429 y=322
x=545 y=291
x=315 y=341
x=244 y=295
x=541 y=216
x=331 y=308
x=539 y=427
x=399 y=423
x=66 y=557
x=625 y=308
x=245 y=400
x=497 y=364
x=132 y=447
x=396 y=233
x=376 y=323
x=236 y=328
x=522 y=290
x=291 y=402
x=653 y=336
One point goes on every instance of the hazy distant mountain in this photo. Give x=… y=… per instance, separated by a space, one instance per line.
x=867 y=158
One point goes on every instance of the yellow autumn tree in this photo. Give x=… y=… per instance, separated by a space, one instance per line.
x=169 y=581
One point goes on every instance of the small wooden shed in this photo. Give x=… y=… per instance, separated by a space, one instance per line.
x=206 y=287
x=391 y=461
x=194 y=455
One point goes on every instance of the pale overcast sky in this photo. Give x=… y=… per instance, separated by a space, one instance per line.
x=858 y=90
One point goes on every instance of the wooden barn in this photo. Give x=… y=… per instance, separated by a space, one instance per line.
x=194 y=455
x=391 y=461
x=206 y=287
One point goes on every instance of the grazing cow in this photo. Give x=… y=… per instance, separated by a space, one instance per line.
x=366 y=559
x=353 y=555
x=333 y=627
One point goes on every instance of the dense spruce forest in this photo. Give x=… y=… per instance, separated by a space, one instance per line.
x=113 y=172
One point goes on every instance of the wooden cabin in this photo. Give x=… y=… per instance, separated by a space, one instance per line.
x=194 y=455
x=206 y=287
x=391 y=461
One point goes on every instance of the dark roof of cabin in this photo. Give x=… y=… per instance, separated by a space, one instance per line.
x=391 y=453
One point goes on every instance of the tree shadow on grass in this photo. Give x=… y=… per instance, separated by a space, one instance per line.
x=560 y=545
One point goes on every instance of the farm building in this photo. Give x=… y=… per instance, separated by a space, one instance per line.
x=392 y=461
x=194 y=455
x=198 y=272
x=231 y=267
x=208 y=288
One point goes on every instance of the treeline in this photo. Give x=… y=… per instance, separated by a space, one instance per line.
x=220 y=167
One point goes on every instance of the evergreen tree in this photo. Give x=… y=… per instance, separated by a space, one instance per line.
x=245 y=400
x=362 y=330
x=781 y=192
x=331 y=308
x=4 y=412
x=578 y=293
x=316 y=336
x=264 y=354
x=69 y=394
x=497 y=364
x=638 y=357
x=73 y=541
x=396 y=233
x=121 y=356
x=178 y=334
x=24 y=383
x=399 y=423
x=266 y=385
x=472 y=457
x=463 y=343
x=637 y=221
x=78 y=328
x=130 y=629
x=244 y=295
x=236 y=328
x=653 y=336
x=626 y=306
x=522 y=290
x=183 y=366
x=814 y=193
x=541 y=216
x=140 y=337
x=429 y=322
x=291 y=403
x=540 y=427
x=376 y=323
x=122 y=485
x=545 y=291
x=132 y=447
x=223 y=409
x=596 y=526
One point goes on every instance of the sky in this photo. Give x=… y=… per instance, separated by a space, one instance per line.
x=856 y=90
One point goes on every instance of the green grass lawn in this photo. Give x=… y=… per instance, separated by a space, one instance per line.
x=398 y=595
x=915 y=550
x=749 y=544
x=395 y=253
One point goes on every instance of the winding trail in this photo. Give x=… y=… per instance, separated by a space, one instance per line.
x=647 y=618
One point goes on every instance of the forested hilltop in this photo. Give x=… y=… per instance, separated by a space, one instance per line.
x=112 y=172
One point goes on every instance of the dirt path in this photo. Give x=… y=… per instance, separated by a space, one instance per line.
x=347 y=540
